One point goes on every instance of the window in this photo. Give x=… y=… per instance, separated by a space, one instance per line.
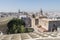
x=54 y=27
x=36 y=21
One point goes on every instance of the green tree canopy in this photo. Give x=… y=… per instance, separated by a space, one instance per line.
x=16 y=26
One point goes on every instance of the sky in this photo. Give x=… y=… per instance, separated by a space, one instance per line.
x=29 y=5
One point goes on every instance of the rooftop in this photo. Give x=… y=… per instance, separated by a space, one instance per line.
x=32 y=36
x=48 y=19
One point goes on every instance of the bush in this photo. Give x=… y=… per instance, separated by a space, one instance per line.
x=16 y=26
x=22 y=29
x=29 y=29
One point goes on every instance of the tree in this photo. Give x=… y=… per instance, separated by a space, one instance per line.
x=16 y=26
x=22 y=29
x=33 y=15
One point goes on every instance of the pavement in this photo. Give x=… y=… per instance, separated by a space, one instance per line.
x=32 y=36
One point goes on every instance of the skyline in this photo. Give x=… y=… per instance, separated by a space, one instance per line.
x=29 y=5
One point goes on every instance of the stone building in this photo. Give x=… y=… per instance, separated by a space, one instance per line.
x=40 y=22
x=43 y=24
x=26 y=19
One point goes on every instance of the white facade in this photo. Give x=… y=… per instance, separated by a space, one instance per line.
x=22 y=16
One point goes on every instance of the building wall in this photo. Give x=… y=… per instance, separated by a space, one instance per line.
x=27 y=21
x=43 y=23
x=52 y=23
x=33 y=24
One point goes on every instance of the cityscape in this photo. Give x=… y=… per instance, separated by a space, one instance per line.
x=30 y=24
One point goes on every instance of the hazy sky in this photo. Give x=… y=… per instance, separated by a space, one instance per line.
x=29 y=5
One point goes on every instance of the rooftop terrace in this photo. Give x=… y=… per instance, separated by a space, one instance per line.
x=32 y=36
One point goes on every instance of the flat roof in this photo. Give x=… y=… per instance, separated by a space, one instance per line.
x=32 y=36
x=47 y=19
